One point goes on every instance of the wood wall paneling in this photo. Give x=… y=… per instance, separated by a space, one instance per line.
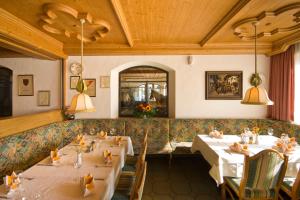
x=10 y=126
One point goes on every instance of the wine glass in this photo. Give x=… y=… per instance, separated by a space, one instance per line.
x=270 y=131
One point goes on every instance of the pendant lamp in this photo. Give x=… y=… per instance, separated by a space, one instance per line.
x=81 y=102
x=256 y=95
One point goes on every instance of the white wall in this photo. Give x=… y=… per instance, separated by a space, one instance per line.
x=189 y=94
x=46 y=77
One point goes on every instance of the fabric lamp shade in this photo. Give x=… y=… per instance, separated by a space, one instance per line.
x=257 y=96
x=81 y=103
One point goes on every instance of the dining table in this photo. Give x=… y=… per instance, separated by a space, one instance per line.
x=61 y=181
x=225 y=162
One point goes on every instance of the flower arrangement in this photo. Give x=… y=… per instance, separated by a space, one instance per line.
x=144 y=110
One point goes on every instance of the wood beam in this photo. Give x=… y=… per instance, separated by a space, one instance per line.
x=234 y=10
x=169 y=49
x=16 y=33
x=122 y=19
x=11 y=126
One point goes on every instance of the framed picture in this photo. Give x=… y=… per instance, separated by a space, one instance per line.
x=104 y=81
x=25 y=85
x=223 y=85
x=91 y=87
x=43 y=98
x=73 y=81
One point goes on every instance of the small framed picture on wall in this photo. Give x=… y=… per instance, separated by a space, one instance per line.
x=91 y=87
x=43 y=98
x=25 y=85
x=73 y=81
x=104 y=81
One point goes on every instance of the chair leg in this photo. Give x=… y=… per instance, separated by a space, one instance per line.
x=223 y=191
x=170 y=159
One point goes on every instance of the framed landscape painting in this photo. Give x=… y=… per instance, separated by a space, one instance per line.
x=91 y=87
x=223 y=85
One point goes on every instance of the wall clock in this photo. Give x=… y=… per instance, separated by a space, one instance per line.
x=76 y=68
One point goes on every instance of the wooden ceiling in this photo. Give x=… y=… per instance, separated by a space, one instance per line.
x=164 y=26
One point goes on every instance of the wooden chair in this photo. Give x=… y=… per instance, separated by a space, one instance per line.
x=131 y=185
x=132 y=161
x=263 y=174
x=291 y=186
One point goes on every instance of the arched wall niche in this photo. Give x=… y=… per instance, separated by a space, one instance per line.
x=115 y=85
x=5 y=91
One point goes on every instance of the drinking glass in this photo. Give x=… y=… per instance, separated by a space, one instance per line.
x=270 y=131
x=112 y=131
x=92 y=131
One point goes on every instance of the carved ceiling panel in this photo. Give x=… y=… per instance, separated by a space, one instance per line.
x=270 y=23
x=64 y=20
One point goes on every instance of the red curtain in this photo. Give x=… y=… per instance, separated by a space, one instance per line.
x=282 y=85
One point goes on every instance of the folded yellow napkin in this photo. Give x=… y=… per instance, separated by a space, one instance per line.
x=87 y=184
x=107 y=156
x=239 y=148
x=216 y=134
x=54 y=156
x=283 y=147
x=118 y=140
x=102 y=135
x=12 y=182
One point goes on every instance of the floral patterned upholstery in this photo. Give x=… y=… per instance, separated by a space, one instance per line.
x=104 y=125
x=158 y=134
x=184 y=130
x=22 y=150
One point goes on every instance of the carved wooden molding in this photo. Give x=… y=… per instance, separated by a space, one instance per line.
x=283 y=44
x=269 y=23
x=50 y=22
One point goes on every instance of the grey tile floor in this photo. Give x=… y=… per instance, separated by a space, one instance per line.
x=187 y=178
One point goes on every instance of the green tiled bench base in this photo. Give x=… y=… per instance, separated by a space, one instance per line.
x=20 y=151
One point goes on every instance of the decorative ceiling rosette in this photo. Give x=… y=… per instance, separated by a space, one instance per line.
x=63 y=20
x=270 y=23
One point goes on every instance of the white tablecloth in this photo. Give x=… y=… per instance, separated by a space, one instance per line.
x=227 y=163
x=62 y=181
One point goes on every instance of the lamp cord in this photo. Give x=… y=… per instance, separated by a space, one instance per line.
x=82 y=22
x=255 y=51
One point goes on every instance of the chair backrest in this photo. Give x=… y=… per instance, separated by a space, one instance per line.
x=263 y=172
x=145 y=137
x=296 y=187
x=139 y=183
x=142 y=155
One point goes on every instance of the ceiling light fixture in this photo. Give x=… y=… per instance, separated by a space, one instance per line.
x=81 y=102
x=256 y=95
